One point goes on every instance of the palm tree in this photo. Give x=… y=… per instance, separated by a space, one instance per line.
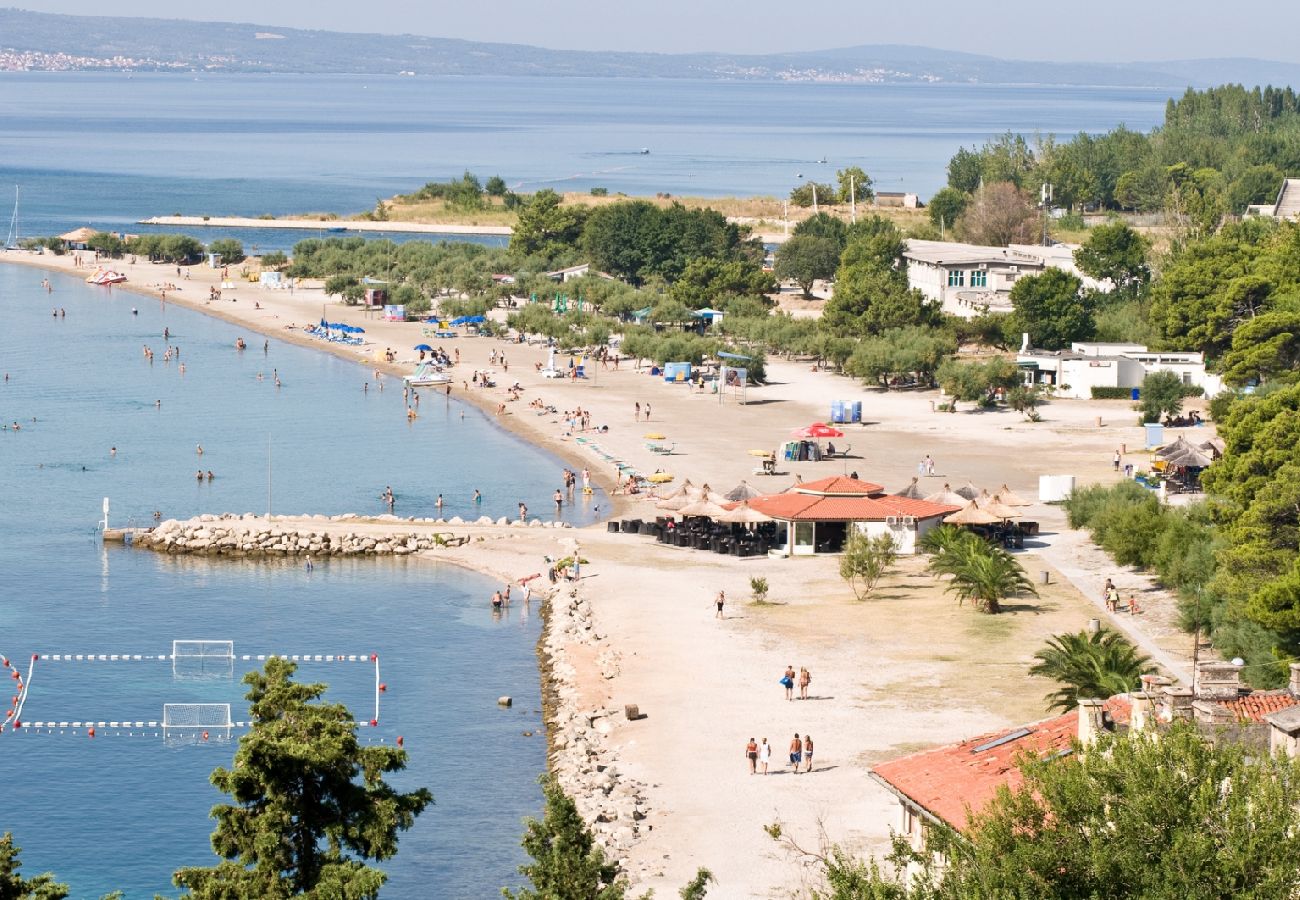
x=982 y=573
x=1100 y=664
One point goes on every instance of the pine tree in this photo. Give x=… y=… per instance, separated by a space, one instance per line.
x=567 y=864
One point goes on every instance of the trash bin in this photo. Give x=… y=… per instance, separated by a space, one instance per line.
x=1137 y=394
x=1046 y=576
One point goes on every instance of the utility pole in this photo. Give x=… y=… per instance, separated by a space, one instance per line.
x=1046 y=195
x=853 y=199
x=814 y=187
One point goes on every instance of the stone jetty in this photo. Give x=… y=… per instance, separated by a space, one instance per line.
x=346 y=535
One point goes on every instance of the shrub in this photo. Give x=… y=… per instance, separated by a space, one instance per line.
x=1111 y=393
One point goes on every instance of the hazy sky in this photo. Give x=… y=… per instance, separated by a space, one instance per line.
x=1100 y=30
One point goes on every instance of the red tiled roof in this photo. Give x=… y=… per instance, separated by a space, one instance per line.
x=796 y=506
x=1255 y=706
x=838 y=484
x=946 y=781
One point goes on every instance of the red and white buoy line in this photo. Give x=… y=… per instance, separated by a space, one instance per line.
x=13 y=717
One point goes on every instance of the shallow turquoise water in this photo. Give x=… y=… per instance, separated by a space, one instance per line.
x=124 y=811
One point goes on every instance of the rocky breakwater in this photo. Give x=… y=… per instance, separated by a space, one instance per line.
x=346 y=535
x=584 y=761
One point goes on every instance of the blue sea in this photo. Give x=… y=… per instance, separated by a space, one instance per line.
x=107 y=149
x=122 y=810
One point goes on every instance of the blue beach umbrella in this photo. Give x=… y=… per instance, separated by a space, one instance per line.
x=424 y=347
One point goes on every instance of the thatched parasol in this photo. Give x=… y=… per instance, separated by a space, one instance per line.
x=968 y=490
x=970 y=514
x=675 y=502
x=743 y=491
x=1176 y=448
x=1011 y=498
x=912 y=491
x=705 y=508
x=682 y=490
x=948 y=497
x=1190 y=457
x=742 y=514
x=995 y=507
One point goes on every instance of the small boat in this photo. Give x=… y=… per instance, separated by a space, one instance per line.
x=428 y=374
x=645 y=151
x=105 y=276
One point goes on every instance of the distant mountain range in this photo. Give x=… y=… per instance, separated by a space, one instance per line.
x=47 y=42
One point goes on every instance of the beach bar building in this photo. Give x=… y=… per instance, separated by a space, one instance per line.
x=818 y=517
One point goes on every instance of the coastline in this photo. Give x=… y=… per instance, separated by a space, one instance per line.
x=898 y=672
x=326 y=225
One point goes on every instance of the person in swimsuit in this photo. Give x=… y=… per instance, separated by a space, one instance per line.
x=721 y=599
x=808 y=751
x=751 y=754
x=496 y=600
x=805 y=679
x=765 y=754
x=788 y=681
x=796 y=752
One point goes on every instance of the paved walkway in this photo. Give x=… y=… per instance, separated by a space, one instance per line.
x=1087 y=566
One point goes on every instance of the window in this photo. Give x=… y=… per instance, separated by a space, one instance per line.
x=979 y=278
x=956 y=278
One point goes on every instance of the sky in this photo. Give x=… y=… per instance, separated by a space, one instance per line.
x=1097 y=31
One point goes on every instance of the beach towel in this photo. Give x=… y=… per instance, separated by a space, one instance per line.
x=787 y=681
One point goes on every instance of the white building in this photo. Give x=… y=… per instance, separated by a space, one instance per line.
x=1075 y=372
x=968 y=279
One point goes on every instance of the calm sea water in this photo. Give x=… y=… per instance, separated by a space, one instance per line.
x=109 y=149
x=123 y=812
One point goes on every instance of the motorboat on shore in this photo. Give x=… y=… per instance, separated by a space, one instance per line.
x=428 y=373
x=105 y=276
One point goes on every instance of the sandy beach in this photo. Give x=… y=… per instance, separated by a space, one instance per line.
x=903 y=670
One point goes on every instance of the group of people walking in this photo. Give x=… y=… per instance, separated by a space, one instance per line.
x=759 y=754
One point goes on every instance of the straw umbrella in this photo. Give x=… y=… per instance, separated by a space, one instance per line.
x=675 y=502
x=743 y=491
x=968 y=490
x=971 y=514
x=742 y=514
x=706 y=508
x=912 y=491
x=1011 y=498
x=948 y=497
x=681 y=490
x=995 y=507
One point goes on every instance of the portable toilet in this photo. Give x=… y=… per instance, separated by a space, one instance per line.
x=856 y=417
x=214 y=260
x=837 y=412
x=1155 y=433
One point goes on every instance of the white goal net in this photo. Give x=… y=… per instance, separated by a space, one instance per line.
x=196 y=722
x=203 y=659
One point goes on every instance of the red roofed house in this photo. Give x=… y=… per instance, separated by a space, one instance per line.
x=941 y=786
x=815 y=517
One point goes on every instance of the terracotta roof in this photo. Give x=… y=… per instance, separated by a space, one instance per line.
x=839 y=484
x=820 y=508
x=950 y=780
x=1255 y=706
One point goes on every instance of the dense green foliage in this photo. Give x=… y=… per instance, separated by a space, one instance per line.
x=978 y=571
x=14 y=887
x=1168 y=816
x=172 y=248
x=637 y=240
x=229 y=250
x=1052 y=309
x=310 y=801
x=567 y=863
x=1101 y=664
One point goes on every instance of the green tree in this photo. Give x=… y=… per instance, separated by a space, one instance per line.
x=981 y=573
x=903 y=353
x=1160 y=815
x=310 y=802
x=698 y=887
x=810 y=193
x=823 y=225
x=228 y=250
x=1052 y=308
x=546 y=227
x=807 y=258
x=1264 y=350
x=274 y=261
x=1257 y=184
x=964 y=173
x=865 y=561
x=1118 y=254
x=1161 y=394
x=976 y=382
x=495 y=186
x=567 y=863
x=853 y=182
x=107 y=244
x=1100 y=664
x=14 y=887
x=946 y=207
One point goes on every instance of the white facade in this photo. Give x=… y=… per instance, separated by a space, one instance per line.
x=1075 y=372
x=968 y=279
x=906 y=531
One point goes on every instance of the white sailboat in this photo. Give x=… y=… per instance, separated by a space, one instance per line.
x=11 y=240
